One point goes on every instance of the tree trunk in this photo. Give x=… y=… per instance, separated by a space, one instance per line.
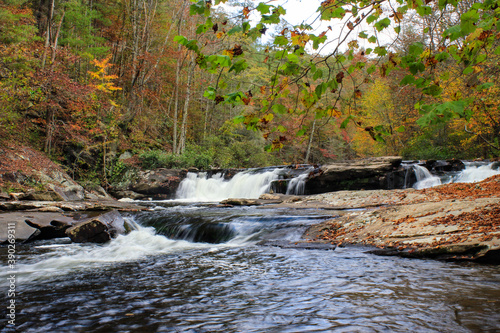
x=47 y=33
x=176 y=100
x=56 y=38
x=308 y=152
x=182 y=140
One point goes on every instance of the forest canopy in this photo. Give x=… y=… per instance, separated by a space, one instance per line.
x=184 y=83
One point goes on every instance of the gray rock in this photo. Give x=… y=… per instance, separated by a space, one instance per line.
x=125 y=156
x=4 y=196
x=240 y=202
x=128 y=195
x=22 y=231
x=99 y=229
x=365 y=174
x=42 y=196
x=70 y=192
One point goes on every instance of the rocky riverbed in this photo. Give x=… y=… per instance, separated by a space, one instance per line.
x=450 y=222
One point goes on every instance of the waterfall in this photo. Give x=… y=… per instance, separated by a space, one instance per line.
x=424 y=178
x=476 y=172
x=247 y=184
x=297 y=185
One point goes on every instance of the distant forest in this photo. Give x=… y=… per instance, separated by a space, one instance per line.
x=182 y=83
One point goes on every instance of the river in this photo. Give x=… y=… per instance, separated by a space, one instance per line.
x=198 y=267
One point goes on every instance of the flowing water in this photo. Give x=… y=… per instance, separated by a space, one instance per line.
x=197 y=267
x=201 y=268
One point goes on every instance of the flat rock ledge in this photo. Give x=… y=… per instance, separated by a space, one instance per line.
x=54 y=206
x=453 y=222
x=90 y=227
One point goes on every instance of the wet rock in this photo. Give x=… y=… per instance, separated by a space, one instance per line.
x=240 y=202
x=441 y=166
x=301 y=245
x=157 y=184
x=365 y=174
x=22 y=231
x=99 y=229
x=269 y=196
x=93 y=231
x=456 y=252
x=99 y=205
x=50 y=225
x=128 y=195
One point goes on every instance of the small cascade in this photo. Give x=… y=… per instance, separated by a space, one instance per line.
x=477 y=171
x=297 y=185
x=424 y=178
x=249 y=184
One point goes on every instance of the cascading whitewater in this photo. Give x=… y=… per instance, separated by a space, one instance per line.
x=424 y=178
x=247 y=184
x=297 y=185
x=476 y=172
x=473 y=172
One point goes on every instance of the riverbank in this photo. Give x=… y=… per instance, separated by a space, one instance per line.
x=457 y=221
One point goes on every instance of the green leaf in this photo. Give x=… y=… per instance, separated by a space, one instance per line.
x=380 y=51
x=320 y=89
x=370 y=19
x=416 y=49
x=485 y=86
x=382 y=24
x=180 y=40
x=301 y=132
x=293 y=58
x=281 y=129
x=346 y=121
x=372 y=39
x=245 y=26
x=239 y=66
x=318 y=74
x=468 y=70
x=371 y=69
x=238 y=119
x=279 y=108
x=363 y=35
x=281 y=41
x=263 y=8
x=433 y=90
x=424 y=10
x=209 y=93
x=408 y=79
x=400 y=129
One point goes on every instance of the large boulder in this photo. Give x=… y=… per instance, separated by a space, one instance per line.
x=364 y=174
x=157 y=184
x=99 y=229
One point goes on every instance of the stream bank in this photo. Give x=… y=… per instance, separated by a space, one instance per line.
x=449 y=222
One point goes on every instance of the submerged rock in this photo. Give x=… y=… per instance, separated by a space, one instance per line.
x=301 y=245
